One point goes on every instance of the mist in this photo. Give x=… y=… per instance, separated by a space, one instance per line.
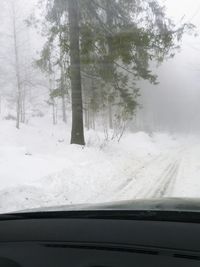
x=172 y=105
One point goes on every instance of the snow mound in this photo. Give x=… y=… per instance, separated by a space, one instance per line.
x=39 y=168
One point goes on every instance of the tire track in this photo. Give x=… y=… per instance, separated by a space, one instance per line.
x=164 y=186
x=145 y=184
x=134 y=175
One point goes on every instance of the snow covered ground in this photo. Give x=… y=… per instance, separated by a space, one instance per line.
x=39 y=168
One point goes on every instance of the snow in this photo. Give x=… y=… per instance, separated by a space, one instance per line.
x=38 y=167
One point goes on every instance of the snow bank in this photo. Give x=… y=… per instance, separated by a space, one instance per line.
x=40 y=168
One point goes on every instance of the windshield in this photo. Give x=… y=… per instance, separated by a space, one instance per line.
x=99 y=102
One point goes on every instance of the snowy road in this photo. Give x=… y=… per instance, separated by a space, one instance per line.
x=172 y=174
x=55 y=173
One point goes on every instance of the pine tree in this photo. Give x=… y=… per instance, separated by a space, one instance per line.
x=111 y=43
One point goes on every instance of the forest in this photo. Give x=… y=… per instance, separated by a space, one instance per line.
x=90 y=59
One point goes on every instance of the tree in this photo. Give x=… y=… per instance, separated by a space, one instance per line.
x=16 y=59
x=77 y=135
x=112 y=44
x=121 y=39
x=17 y=66
x=45 y=63
x=62 y=80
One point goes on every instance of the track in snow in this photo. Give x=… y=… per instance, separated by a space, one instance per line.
x=155 y=180
x=164 y=185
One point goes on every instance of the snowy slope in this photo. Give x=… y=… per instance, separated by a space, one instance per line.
x=38 y=167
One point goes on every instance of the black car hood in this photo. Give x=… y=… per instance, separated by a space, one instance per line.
x=162 y=204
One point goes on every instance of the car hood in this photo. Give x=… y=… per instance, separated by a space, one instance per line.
x=163 y=204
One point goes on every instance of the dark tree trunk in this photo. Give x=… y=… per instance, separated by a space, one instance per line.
x=77 y=134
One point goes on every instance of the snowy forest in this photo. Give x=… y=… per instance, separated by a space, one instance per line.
x=90 y=59
x=102 y=74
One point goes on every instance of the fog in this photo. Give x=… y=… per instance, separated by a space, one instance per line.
x=174 y=103
x=171 y=105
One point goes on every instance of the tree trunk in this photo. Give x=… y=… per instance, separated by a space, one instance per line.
x=110 y=115
x=52 y=100
x=54 y=112
x=64 y=109
x=87 y=116
x=64 y=115
x=109 y=20
x=23 y=107
x=93 y=121
x=17 y=68
x=77 y=134
x=62 y=83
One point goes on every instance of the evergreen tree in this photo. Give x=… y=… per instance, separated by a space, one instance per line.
x=110 y=43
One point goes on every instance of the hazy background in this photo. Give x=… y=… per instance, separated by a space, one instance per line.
x=172 y=105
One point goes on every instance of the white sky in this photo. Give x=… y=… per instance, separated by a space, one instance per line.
x=179 y=8
x=179 y=88
x=188 y=61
